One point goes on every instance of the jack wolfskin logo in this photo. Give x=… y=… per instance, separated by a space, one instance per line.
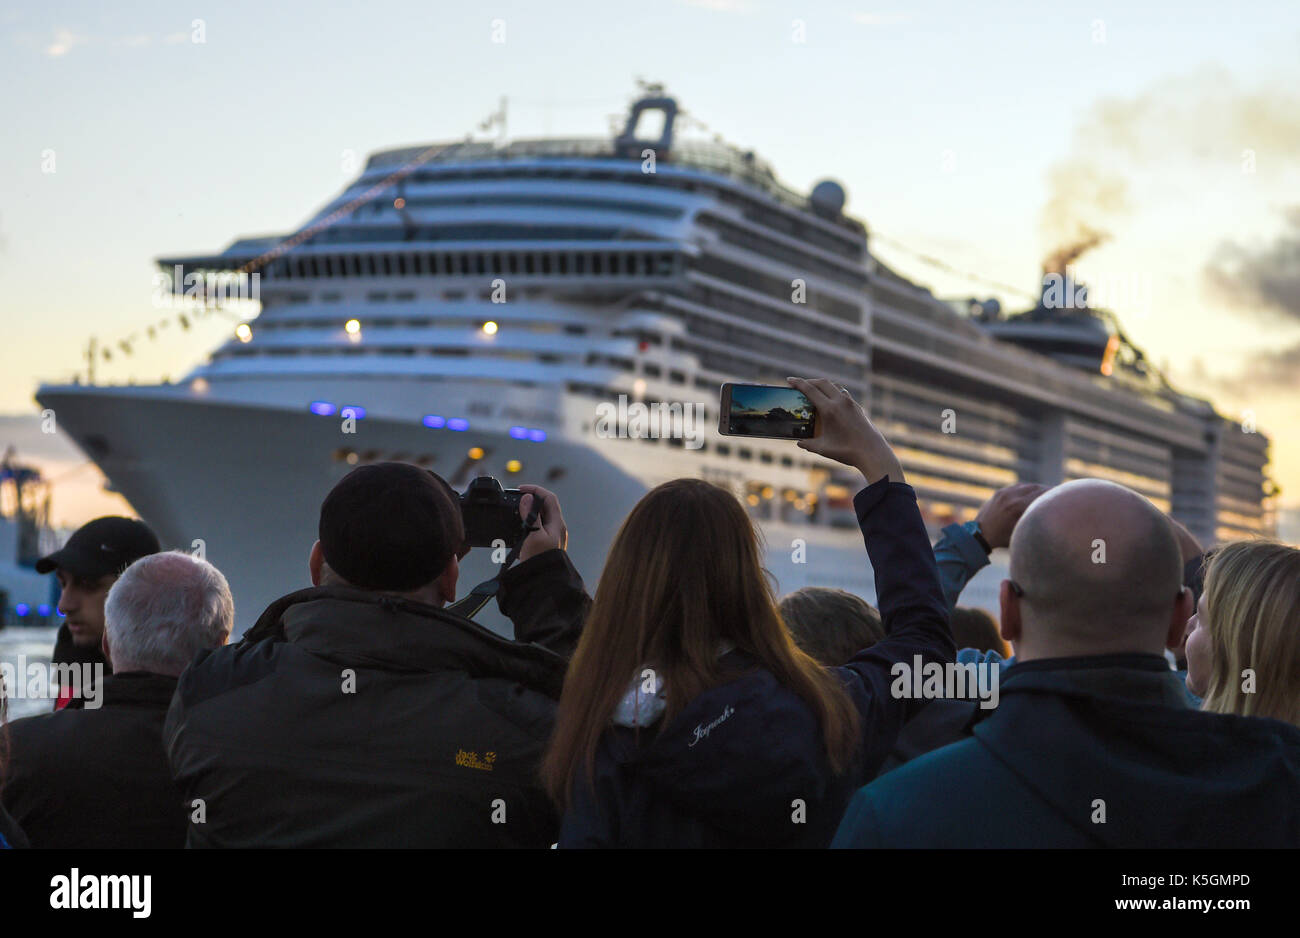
x=470 y=760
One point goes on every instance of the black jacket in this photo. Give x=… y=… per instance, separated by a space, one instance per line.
x=97 y=777
x=368 y=721
x=743 y=765
x=1092 y=752
x=68 y=652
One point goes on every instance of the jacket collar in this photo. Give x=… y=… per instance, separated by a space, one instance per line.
x=133 y=689
x=1130 y=678
x=353 y=626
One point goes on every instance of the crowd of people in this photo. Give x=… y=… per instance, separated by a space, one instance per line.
x=1144 y=692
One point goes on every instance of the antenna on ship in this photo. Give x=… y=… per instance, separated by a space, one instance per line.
x=496 y=119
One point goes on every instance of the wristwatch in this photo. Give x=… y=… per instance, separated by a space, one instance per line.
x=980 y=539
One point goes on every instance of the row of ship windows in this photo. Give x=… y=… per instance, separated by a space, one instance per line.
x=850 y=368
x=708 y=358
x=778 y=288
x=949 y=350
x=479 y=263
x=955 y=418
x=765 y=247
x=289 y=324
x=637 y=207
x=484 y=231
x=757 y=312
x=787 y=223
x=914 y=392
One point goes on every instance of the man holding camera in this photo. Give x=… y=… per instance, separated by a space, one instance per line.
x=361 y=712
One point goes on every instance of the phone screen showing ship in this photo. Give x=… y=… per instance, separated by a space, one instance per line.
x=760 y=410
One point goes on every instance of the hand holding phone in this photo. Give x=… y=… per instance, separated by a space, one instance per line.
x=845 y=434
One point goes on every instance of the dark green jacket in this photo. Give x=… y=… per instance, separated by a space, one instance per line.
x=362 y=720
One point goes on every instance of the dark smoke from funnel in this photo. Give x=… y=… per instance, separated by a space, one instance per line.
x=1085 y=200
x=1060 y=259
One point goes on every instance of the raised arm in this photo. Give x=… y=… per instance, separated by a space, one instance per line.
x=543 y=594
x=963 y=549
x=908 y=593
x=959 y=557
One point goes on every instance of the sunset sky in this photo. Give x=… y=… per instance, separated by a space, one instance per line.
x=983 y=135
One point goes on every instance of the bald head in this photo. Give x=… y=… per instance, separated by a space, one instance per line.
x=1100 y=570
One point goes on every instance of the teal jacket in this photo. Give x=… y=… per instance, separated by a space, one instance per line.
x=1091 y=752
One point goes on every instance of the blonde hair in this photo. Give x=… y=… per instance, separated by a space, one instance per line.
x=1252 y=601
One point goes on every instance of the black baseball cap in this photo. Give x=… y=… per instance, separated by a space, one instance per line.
x=391 y=526
x=103 y=546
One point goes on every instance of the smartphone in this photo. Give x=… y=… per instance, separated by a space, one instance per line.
x=773 y=412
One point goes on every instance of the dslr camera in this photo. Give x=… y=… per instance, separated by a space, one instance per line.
x=491 y=513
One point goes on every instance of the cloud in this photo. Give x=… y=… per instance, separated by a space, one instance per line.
x=1261 y=278
x=1263 y=372
x=1278 y=368
x=64 y=41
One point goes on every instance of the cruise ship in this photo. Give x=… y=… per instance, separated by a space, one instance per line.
x=471 y=306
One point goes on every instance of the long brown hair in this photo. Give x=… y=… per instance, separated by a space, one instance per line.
x=683 y=575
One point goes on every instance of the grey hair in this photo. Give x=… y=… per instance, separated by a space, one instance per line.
x=164 y=610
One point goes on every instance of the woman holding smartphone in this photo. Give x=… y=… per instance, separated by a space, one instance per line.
x=689 y=718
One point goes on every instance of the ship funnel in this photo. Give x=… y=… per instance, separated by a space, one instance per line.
x=1062 y=291
x=630 y=145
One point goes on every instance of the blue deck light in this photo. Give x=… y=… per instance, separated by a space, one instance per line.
x=43 y=610
x=519 y=433
x=434 y=422
x=537 y=436
x=22 y=609
x=352 y=410
x=322 y=408
x=459 y=424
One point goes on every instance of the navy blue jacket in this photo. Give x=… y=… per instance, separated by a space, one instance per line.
x=1092 y=752
x=743 y=765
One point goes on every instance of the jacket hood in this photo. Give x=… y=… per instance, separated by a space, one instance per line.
x=1137 y=747
x=737 y=757
x=357 y=627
